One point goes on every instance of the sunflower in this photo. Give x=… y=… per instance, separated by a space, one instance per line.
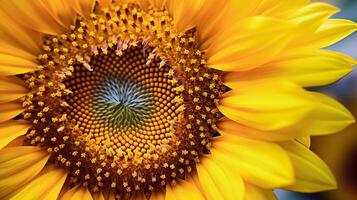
x=176 y=99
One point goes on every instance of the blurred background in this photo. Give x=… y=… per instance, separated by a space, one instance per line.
x=339 y=151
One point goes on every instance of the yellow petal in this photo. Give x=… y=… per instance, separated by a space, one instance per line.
x=185 y=13
x=266 y=104
x=305 y=140
x=256 y=193
x=12 y=65
x=261 y=163
x=329 y=116
x=10 y=110
x=32 y=14
x=18 y=40
x=11 y=88
x=82 y=7
x=61 y=11
x=221 y=15
x=18 y=166
x=77 y=193
x=52 y=176
x=12 y=129
x=105 y=3
x=226 y=127
x=311 y=173
x=16 y=50
x=249 y=43
x=217 y=182
x=313 y=15
x=183 y=190
x=279 y=8
x=303 y=66
x=19 y=141
x=330 y=32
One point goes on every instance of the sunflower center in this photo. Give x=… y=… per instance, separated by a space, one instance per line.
x=123 y=101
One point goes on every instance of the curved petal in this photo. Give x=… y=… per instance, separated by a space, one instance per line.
x=77 y=193
x=183 y=190
x=266 y=104
x=305 y=140
x=222 y=15
x=61 y=11
x=19 y=141
x=311 y=173
x=82 y=7
x=105 y=3
x=329 y=116
x=303 y=66
x=12 y=129
x=18 y=40
x=54 y=178
x=330 y=32
x=10 y=110
x=11 y=88
x=311 y=16
x=256 y=193
x=15 y=50
x=217 y=182
x=249 y=43
x=12 y=65
x=261 y=163
x=32 y=14
x=229 y=127
x=188 y=14
x=18 y=166
x=279 y=8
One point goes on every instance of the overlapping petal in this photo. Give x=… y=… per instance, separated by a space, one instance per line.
x=255 y=193
x=77 y=193
x=82 y=7
x=12 y=65
x=311 y=173
x=18 y=166
x=217 y=182
x=11 y=88
x=183 y=190
x=307 y=67
x=264 y=164
x=32 y=14
x=266 y=104
x=260 y=39
x=330 y=32
x=17 y=40
x=52 y=176
x=10 y=110
x=61 y=11
x=12 y=129
x=310 y=17
x=229 y=127
x=329 y=116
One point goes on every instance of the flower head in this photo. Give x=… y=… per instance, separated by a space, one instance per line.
x=166 y=99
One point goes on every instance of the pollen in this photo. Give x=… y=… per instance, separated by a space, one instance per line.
x=119 y=100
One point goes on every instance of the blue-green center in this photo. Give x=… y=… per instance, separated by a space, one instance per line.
x=121 y=102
